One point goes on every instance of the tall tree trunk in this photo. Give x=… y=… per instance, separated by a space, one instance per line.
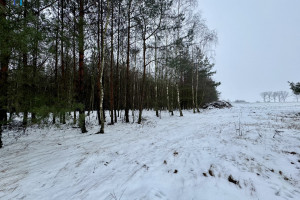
x=81 y=68
x=117 y=102
x=101 y=65
x=111 y=68
x=35 y=58
x=128 y=63
x=134 y=82
x=197 y=86
x=56 y=72
x=4 y=61
x=178 y=98
x=63 y=85
x=100 y=16
x=167 y=76
x=172 y=100
x=25 y=74
x=144 y=78
x=74 y=59
x=156 y=84
x=178 y=78
x=168 y=98
x=3 y=92
x=91 y=105
x=133 y=95
x=100 y=70
x=193 y=93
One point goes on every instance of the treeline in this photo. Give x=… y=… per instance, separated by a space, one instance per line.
x=279 y=96
x=59 y=56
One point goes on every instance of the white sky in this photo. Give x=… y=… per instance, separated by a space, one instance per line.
x=259 y=45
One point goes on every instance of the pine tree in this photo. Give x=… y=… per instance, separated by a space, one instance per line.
x=295 y=87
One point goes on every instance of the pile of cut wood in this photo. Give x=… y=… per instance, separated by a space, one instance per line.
x=217 y=104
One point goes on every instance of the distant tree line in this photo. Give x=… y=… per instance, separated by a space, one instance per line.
x=62 y=56
x=240 y=101
x=279 y=96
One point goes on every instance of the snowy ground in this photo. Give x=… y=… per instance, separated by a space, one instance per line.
x=184 y=158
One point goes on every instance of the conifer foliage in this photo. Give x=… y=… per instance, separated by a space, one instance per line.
x=295 y=87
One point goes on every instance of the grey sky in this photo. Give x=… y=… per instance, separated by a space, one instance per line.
x=259 y=45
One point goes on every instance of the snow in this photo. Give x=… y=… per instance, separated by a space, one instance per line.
x=132 y=161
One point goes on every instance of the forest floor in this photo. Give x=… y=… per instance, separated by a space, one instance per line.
x=198 y=156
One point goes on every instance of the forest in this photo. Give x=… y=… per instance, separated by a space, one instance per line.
x=62 y=59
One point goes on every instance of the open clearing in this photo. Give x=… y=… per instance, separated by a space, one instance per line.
x=251 y=151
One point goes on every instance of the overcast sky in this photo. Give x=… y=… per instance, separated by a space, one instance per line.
x=259 y=45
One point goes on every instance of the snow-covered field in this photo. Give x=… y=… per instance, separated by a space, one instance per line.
x=251 y=151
